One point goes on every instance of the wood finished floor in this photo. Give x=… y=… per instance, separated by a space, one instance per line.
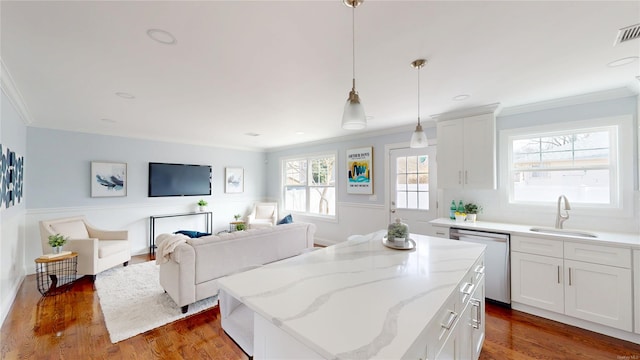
x=71 y=326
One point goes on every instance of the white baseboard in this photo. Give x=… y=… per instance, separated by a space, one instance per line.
x=7 y=302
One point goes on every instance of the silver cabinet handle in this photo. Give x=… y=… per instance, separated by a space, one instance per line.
x=452 y=318
x=478 y=320
x=569 y=276
x=558 y=274
x=466 y=177
x=467 y=288
x=480 y=269
x=459 y=176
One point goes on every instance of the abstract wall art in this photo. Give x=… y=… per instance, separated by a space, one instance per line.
x=360 y=171
x=108 y=179
x=11 y=177
x=234 y=180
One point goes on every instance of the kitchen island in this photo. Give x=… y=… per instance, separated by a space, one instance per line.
x=362 y=300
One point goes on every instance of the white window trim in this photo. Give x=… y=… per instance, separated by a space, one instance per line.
x=309 y=157
x=623 y=207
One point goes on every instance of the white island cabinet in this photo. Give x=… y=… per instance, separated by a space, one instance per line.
x=362 y=300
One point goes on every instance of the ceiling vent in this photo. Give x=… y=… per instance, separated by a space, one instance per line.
x=628 y=33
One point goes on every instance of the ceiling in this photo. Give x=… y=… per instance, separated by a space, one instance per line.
x=283 y=69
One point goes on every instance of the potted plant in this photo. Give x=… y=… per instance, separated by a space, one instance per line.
x=472 y=210
x=241 y=226
x=237 y=216
x=56 y=241
x=202 y=205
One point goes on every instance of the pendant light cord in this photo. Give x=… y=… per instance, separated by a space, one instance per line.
x=419 y=94
x=353 y=44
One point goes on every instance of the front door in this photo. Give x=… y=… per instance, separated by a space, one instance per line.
x=413 y=188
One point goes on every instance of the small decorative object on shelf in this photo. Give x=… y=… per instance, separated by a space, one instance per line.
x=398 y=231
x=237 y=216
x=472 y=210
x=202 y=205
x=56 y=241
x=460 y=216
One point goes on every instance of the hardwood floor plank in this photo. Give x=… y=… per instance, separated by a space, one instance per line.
x=71 y=326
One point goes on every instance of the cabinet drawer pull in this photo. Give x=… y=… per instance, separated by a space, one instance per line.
x=558 y=274
x=467 y=289
x=452 y=318
x=478 y=320
x=480 y=269
x=466 y=177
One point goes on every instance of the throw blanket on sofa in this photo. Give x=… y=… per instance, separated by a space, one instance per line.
x=166 y=245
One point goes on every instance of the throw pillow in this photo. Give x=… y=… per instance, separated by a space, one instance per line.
x=286 y=220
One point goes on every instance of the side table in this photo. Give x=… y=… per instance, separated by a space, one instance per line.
x=234 y=225
x=55 y=275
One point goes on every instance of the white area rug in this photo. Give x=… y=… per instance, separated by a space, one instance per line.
x=133 y=301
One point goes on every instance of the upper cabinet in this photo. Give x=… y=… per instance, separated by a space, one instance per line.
x=467 y=152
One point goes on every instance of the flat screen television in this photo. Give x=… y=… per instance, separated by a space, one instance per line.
x=179 y=179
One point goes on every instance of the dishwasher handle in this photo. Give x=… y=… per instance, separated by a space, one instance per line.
x=478 y=236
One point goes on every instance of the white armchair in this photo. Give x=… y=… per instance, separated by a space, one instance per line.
x=263 y=215
x=97 y=249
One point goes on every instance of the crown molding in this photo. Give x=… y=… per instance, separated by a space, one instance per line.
x=570 y=101
x=456 y=114
x=13 y=94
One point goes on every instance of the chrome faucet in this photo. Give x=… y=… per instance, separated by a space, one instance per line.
x=559 y=217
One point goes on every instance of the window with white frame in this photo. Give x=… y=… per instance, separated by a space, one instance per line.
x=309 y=184
x=578 y=160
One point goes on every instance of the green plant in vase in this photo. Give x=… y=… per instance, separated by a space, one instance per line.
x=240 y=227
x=237 y=216
x=202 y=205
x=472 y=210
x=56 y=241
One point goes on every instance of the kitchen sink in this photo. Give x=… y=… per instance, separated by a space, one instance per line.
x=564 y=232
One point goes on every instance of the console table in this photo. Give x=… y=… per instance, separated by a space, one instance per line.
x=208 y=216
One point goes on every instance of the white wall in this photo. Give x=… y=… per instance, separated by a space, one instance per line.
x=59 y=185
x=12 y=236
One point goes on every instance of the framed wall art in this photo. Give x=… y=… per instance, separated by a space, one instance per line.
x=108 y=179
x=360 y=171
x=234 y=180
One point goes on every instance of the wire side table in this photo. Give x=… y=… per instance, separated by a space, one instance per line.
x=55 y=275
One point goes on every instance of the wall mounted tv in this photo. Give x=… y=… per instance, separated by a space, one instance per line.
x=179 y=179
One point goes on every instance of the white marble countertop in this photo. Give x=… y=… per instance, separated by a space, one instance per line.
x=618 y=239
x=357 y=299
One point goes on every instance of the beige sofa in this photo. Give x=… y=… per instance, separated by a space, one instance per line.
x=194 y=265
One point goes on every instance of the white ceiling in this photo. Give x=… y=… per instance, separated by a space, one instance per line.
x=277 y=68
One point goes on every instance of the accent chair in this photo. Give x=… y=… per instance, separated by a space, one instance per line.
x=97 y=249
x=263 y=215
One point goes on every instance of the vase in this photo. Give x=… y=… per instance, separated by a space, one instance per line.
x=471 y=217
x=56 y=249
x=202 y=208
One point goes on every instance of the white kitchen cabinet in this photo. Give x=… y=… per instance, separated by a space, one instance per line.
x=636 y=271
x=591 y=289
x=478 y=318
x=466 y=152
x=598 y=293
x=536 y=281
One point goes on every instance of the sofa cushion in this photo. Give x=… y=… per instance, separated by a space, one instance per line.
x=286 y=220
x=107 y=248
x=71 y=229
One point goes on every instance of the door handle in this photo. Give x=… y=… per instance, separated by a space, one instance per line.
x=393 y=211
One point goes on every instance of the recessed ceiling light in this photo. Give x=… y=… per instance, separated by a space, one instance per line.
x=110 y=121
x=623 y=61
x=125 y=95
x=461 y=97
x=252 y=134
x=162 y=36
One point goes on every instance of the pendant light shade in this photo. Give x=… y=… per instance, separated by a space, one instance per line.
x=353 y=117
x=418 y=138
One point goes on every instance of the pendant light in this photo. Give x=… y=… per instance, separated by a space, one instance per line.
x=419 y=138
x=353 y=117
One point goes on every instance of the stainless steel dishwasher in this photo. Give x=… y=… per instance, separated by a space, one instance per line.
x=497 y=261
